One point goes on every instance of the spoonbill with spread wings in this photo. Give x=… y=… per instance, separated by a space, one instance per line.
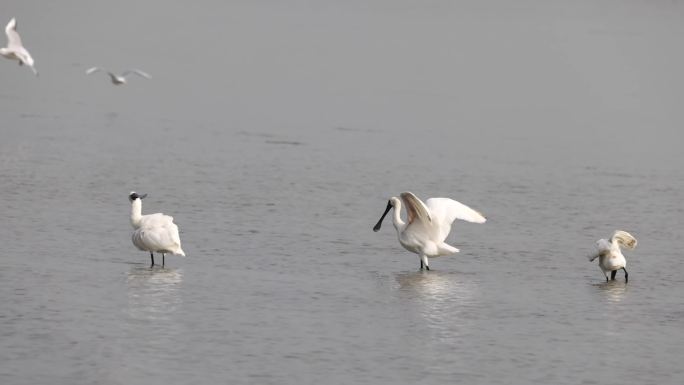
x=428 y=224
x=609 y=253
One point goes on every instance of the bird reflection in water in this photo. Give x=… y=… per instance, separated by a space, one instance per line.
x=153 y=294
x=444 y=299
x=614 y=290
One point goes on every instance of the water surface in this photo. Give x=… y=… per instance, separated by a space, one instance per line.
x=275 y=133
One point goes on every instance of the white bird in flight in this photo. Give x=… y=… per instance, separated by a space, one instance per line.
x=153 y=232
x=428 y=224
x=609 y=253
x=118 y=80
x=15 y=50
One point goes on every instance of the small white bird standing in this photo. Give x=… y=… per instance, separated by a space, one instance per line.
x=609 y=253
x=15 y=50
x=118 y=80
x=153 y=232
x=428 y=224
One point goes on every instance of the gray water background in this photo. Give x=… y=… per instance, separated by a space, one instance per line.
x=274 y=132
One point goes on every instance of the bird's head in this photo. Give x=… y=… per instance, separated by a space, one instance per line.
x=392 y=202
x=134 y=195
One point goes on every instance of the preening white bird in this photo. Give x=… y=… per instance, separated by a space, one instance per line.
x=155 y=233
x=15 y=50
x=118 y=80
x=610 y=255
x=428 y=224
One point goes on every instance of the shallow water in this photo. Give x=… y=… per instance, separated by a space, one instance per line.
x=276 y=153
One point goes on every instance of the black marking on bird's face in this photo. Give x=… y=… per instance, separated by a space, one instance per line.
x=135 y=196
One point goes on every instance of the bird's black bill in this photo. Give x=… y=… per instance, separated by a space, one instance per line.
x=142 y=196
x=377 y=225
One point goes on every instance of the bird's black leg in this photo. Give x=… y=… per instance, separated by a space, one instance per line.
x=424 y=260
x=152 y=258
x=162 y=259
x=626 y=275
x=424 y=263
x=612 y=275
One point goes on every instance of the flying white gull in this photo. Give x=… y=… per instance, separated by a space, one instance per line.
x=118 y=80
x=15 y=50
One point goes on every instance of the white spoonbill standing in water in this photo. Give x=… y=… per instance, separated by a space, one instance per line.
x=428 y=224
x=609 y=253
x=155 y=233
x=15 y=50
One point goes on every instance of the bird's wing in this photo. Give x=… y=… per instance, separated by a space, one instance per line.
x=419 y=222
x=625 y=239
x=92 y=70
x=160 y=235
x=138 y=240
x=154 y=220
x=13 y=39
x=157 y=239
x=415 y=208
x=137 y=72
x=448 y=210
x=603 y=246
x=445 y=211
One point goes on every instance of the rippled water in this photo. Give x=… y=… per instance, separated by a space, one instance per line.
x=558 y=120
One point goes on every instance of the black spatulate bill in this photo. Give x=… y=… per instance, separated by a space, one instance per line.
x=387 y=209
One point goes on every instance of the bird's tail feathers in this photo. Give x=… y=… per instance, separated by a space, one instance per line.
x=180 y=252
x=433 y=249
x=446 y=249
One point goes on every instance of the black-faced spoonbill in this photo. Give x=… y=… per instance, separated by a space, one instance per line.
x=609 y=253
x=118 y=80
x=428 y=224
x=153 y=232
x=15 y=50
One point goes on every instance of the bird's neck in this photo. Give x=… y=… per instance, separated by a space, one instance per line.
x=396 y=217
x=136 y=213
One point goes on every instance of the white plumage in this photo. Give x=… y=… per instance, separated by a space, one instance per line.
x=15 y=49
x=610 y=255
x=118 y=80
x=153 y=232
x=428 y=224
